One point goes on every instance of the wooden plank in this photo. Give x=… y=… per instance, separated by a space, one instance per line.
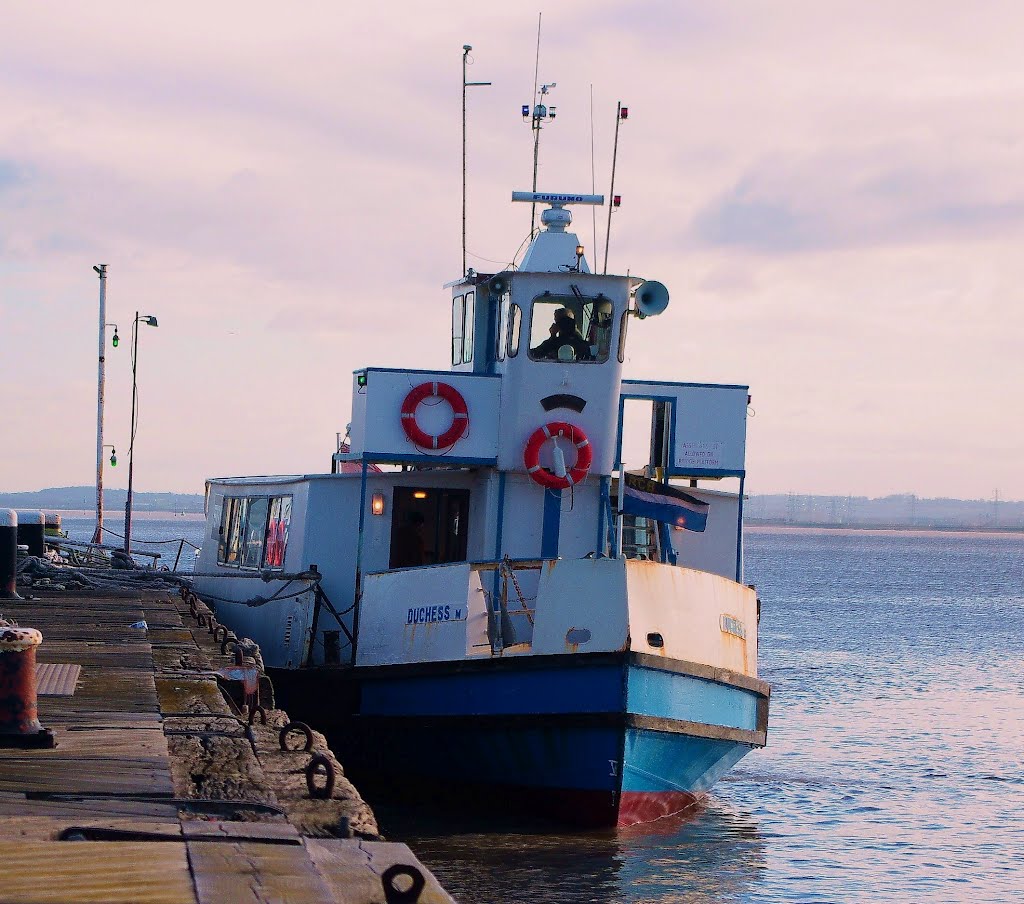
x=111 y=872
x=253 y=873
x=56 y=679
x=353 y=869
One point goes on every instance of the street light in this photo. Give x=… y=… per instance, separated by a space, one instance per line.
x=149 y=320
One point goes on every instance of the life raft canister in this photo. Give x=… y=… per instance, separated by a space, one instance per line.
x=460 y=419
x=584 y=455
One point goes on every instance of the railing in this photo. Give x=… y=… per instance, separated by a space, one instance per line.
x=502 y=631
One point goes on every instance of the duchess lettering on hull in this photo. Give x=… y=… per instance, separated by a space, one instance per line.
x=427 y=614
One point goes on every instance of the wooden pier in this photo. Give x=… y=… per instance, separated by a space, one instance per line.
x=159 y=789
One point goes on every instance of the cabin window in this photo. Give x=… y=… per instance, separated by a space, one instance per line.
x=254 y=531
x=278 y=524
x=623 y=323
x=515 y=320
x=570 y=329
x=502 y=342
x=458 y=319
x=469 y=328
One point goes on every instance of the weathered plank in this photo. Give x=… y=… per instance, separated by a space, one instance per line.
x=244 y=872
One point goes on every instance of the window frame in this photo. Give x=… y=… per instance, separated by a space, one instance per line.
x=235 y=512
x=458 y=301
x=515 y=325
x=468 y=327
x=556 y=301
x=623 y=323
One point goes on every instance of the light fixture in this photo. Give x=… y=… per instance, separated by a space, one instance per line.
x=377 y=504
x=149 y=319
x=579 y=256
x=113 y=455
x=419 y=494
x=361 y=379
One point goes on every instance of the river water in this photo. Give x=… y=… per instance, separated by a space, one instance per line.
x=893 y=770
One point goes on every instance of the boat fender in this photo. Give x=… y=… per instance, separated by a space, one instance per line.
x=572 y=476
x=460 y=415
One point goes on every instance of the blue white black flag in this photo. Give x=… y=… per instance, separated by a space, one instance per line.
x=661 y=502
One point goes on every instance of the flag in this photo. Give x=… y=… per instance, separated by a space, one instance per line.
x=661 y=502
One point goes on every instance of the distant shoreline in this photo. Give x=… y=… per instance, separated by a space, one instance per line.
x=878 y=528
x=117 y=515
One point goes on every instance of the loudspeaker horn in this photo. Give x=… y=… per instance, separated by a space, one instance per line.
x=651 y=298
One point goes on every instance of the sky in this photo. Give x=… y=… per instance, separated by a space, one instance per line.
x=833 y=193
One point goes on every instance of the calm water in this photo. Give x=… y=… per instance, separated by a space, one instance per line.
x=151 y=531
x=894 y=767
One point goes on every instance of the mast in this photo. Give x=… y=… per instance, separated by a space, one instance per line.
x=621 y=113
x=466 y=48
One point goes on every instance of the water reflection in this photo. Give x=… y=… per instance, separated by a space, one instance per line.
x=710 y=854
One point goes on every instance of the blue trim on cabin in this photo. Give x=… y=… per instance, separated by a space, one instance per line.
x=551 y=524
x=739 y=535
x=704 y=472
x=402 y=370
x=685 y=385
x=602 y=496
x=422 y=458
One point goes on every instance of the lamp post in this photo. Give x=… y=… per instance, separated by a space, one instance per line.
x=149 y=320
x=101 y=271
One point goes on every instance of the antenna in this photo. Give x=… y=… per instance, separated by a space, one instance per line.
x=593 y=176
x=466 y=48
x=540 y=113
x=621 y=113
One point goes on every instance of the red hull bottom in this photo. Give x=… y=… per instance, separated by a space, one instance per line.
x=646 y=806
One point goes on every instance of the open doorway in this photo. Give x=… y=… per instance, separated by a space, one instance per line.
x=429 y=525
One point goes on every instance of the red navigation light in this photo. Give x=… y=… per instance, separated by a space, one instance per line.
x=617 y=201
x=625 y=113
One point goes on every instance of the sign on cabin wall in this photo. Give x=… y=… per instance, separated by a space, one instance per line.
x=424 y=416
x=709 y=425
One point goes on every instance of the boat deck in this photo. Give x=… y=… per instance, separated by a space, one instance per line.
x=157 y=789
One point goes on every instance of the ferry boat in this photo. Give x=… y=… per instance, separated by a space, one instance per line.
x=478 y=595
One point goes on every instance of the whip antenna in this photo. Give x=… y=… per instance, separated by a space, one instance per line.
x=621 y=113
x=538 y=115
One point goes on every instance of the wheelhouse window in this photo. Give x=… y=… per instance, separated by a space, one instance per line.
x=624 y=322
x=254 y=531
x=515 y=321
x=503 y=317
x=570 y=329
x=468 y=328
x=458 y=320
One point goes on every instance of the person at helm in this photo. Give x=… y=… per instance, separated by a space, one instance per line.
x=563 y=334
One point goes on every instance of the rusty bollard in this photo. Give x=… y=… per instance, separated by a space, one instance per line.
x=8 y=555
x=19 y=717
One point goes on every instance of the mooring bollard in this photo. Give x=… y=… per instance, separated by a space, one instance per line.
x=19 y=717
x=53 y=525
x=8 y=555
x=31 y=532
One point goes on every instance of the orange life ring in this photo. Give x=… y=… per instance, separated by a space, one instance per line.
x=575 y=474
x=460 y=419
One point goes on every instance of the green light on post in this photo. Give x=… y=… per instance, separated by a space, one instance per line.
x=361 y=380
x=115 y=340
x=113 y=459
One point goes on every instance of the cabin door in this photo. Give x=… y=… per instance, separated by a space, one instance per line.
x=428 y=526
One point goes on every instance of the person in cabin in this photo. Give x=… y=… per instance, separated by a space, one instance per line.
x=563 y=333
x=409 y=549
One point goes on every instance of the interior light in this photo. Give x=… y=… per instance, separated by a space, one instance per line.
x=420 y=494
x=377 y=504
